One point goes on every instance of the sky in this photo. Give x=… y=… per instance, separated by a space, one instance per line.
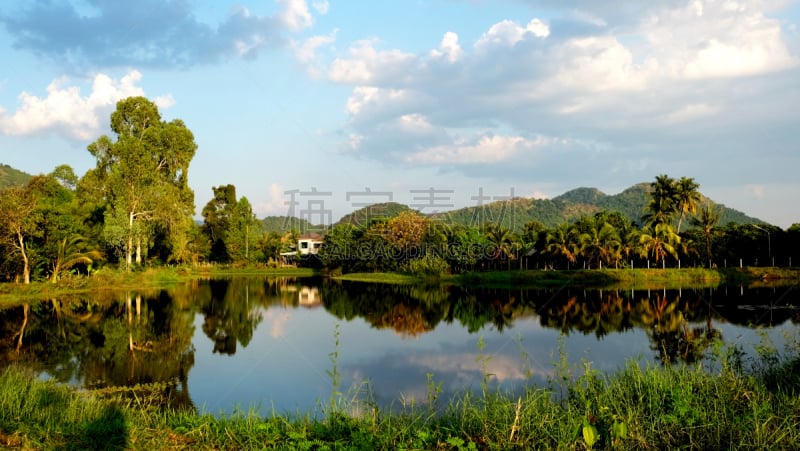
x=316 y=108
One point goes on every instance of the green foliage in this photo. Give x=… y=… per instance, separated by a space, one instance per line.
x=728 y=405
x=569 y=207
x=141 y=180
x=428 y=266
x=12 y=177
x=232 y=228
x=365 y=217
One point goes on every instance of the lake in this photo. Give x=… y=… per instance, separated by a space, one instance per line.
x=277 y=344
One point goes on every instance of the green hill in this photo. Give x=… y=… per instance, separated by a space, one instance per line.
x=10 y=176
x=364 y=216
x=570 y=206
x=283 y=224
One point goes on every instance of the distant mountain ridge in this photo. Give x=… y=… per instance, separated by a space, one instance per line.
x=573 y=204
x=566 y=208
x=10 y=176
x=513 y=214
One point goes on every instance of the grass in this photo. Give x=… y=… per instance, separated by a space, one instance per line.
x=631 y=278
x=380 y=277
x=105 y=279
x=108 y=279
x=638 y=407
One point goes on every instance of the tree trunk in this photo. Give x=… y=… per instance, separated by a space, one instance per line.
x=129 y=246
x=26 y=269
x=139 y=250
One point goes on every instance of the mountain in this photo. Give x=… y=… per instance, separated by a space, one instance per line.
x=283 y=224
x=569 y=207
x=10 y=176
x=364 y=216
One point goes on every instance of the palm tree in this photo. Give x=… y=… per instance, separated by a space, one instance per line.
x=503 y=240
x=662 y=204
x=600 y=244
x=629 y=241
x=71 y=252
x=563 y=242
x=686 y=197
x=659 y=241
x=707 y=219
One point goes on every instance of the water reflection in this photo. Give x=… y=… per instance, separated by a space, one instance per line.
x=234 y=341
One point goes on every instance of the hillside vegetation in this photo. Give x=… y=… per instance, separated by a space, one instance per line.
x=571 y=206
x=10 y=176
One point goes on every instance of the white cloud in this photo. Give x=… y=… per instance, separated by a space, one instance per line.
x=487 y=149
x=622 y=95
x=64 y=111
x=755 y=191
x=146 y=33
x=367 y=65
x=306 y=51
x=508 y=33
x=321 y=6
x=295 y=14
x=275 y=204
x=690 y=112
x=364 y=97
x=449 y=48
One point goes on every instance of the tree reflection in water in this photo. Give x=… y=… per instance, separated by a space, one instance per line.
x=125 y=339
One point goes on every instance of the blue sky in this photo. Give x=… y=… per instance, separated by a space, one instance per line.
x=345 y=103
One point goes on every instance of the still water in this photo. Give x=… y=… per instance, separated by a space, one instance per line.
x=276 y=343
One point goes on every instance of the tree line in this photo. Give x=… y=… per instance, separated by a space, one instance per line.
x=135 y=208
x=675 y=230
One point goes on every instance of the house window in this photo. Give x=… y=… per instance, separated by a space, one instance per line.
x=304 y=245
x=317 y=245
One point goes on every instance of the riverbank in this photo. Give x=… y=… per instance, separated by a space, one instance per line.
x=110 y=279
x=599 y=278
x=107 y=279
x=639 y=407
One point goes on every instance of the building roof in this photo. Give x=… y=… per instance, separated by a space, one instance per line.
x=311 y=236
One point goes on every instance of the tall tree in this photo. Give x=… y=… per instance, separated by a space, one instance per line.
x=563 y=242
x=707 y=219
x=659 y=241
x=244 y=230
x=143 y=175
x=600 y=244
x=503 y=240
x=18 y=223
x=686 y=198
x=62 y=243
x=661 y=207
x=230 y=225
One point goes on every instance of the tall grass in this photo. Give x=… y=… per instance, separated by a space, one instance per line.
x=735 y=405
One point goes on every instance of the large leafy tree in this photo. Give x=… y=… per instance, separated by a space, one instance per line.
x=18 y=224
x=230 y=225
x=142 y=177
x=63 y=242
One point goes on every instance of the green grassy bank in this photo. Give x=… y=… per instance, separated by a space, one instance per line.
x=635 y=408
x=12 y=293
x=600 y=278
x=111 y=279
